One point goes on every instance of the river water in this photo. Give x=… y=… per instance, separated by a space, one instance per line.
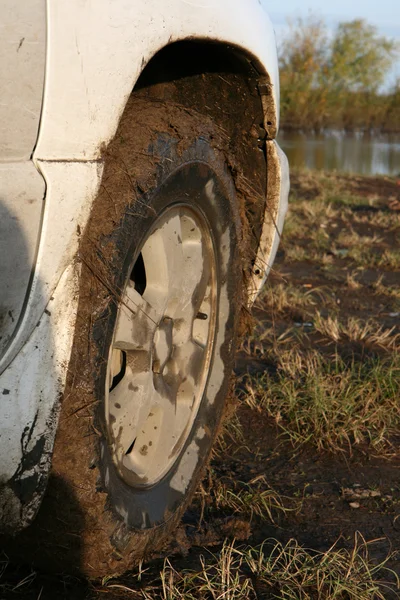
x=364 y=153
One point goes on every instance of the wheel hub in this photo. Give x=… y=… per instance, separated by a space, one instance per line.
x=162 y=345
x=162 y=348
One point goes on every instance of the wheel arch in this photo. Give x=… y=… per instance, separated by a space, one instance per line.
x=101 y=51
x=195 y=56
x=229 y=85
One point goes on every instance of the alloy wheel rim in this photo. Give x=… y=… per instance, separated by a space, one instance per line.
x=162 y=345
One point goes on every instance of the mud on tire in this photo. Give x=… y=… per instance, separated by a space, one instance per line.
x=162 y=156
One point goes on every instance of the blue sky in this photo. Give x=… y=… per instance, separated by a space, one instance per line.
x=384 y=14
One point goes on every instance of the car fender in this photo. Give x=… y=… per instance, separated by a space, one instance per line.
x=97 y=50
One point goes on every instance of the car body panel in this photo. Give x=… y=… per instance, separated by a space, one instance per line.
x=22 y=63
x=274 y=216
x=67 y=209
x=22 y=189
x=30 y=391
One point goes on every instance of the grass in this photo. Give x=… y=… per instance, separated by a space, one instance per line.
x=331 y=403
x=333 y=378
x=18 y=585
x=366 y=333
x=284 y=297
x=254 y=498
x=232 y=432
x=273 y=570
x=332 y=382
x=389 y=291
x=324 y=222
x=386 y=220
x=319 y=246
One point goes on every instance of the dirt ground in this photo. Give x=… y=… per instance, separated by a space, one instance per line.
x=328 y=495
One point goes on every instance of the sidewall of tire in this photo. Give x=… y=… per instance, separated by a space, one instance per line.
x=197 y=178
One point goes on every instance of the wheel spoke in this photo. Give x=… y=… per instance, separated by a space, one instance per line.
x=136 y=323
x=129 y=406
x=196 y=278
x=163 y=261
x=156 y=433
x=196 y=272
x=189 y=360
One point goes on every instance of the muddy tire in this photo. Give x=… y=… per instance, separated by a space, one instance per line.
x=160 y=293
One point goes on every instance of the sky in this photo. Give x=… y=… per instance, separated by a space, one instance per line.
x=384 y=14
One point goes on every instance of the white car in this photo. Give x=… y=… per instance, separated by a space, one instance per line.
x=142 y=196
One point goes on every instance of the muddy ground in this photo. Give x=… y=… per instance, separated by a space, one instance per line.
x=328 y=497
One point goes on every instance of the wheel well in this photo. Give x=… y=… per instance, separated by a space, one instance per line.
x=195 y=57
x=220 y=82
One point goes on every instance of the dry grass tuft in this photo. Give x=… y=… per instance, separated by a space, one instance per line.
x=254 y=498
x=331 y=378
x=327 y=220
x=327 y=401
x=367 y=333
x=284 y=297
x=276 y=570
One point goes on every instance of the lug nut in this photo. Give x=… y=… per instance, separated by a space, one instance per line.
x=202 y=316
x=156 y=366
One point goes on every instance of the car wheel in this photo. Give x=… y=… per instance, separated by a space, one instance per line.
x=160 y=294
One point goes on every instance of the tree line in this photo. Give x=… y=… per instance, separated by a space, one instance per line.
x=336 y=80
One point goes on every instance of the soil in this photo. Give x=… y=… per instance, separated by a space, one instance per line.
x=329 y=494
